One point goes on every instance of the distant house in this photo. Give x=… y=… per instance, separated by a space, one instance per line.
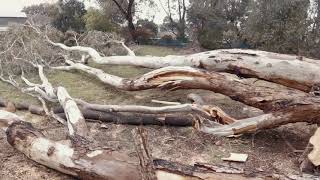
x=6 y=21
x=10 y=13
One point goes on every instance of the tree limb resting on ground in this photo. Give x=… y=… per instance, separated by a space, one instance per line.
x=283 y=69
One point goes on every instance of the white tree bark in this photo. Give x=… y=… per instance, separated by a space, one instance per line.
x=98 y=164
x=314 y=155
x=75 y=120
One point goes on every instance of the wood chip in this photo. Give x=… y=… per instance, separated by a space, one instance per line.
x=235 y=157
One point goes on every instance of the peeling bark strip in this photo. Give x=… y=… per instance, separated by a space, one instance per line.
x=284 y=69
x=76 y=122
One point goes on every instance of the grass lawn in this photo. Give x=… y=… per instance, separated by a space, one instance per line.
x=145 y=50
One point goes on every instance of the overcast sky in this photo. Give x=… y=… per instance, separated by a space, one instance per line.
x=13 y=7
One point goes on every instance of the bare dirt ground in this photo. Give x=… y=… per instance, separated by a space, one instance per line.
x=270 y=151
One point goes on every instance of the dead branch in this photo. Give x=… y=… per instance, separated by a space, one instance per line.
x=290 y=114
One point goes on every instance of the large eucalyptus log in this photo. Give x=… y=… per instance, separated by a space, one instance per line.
x=253 y=92
x=98 y=164
x=289 y=70
x=101 y=164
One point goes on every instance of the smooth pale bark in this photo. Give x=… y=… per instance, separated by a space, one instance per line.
x=289 y=70
x=314 y=155
x=75 y=120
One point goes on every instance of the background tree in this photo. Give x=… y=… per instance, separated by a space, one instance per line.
x=217 y=23
x=279 y=26
x=96 y=20
x=42 y=14
x=147 y=24
x=176 y=17
x=124 y=7
x=146 y=30
x=312 y=45
x=70 y=16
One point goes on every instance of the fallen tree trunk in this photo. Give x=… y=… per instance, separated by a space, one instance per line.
x=208 y=112
x=98 y=164
x=178 y=119
x=253 y=92
x=289 y=70
x=24 y=107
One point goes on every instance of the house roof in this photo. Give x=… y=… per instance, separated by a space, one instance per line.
x=12 y=8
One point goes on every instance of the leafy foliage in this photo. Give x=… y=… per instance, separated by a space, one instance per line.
x=279 y=26
x=70 y=16
x=42 y=14
x=97 y=20
x=213 y=19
